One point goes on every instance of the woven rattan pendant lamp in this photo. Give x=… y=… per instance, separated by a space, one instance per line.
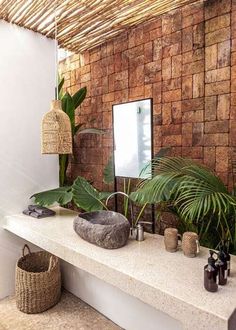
x=56 y=136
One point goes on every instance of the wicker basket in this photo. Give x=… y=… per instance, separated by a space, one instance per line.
x=38 y=281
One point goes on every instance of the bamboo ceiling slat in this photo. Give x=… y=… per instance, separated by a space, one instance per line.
x=84 y=24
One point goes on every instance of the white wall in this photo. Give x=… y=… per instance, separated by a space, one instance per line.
x=26 y=89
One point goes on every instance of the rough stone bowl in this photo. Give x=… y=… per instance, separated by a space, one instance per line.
x=107 y=229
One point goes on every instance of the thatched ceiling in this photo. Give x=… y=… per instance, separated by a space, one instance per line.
x=83 y=24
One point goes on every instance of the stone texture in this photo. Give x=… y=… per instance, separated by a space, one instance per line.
x=70 y=313
x=107 y=229
x=185 y=61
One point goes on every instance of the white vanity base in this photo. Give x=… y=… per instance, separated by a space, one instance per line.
x=128 y=312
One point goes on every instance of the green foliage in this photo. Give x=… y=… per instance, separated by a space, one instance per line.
x=62 y=195
x=82 y=193
x=69 y=104
x=108 y=172
x=199 y=196
x=86 y=196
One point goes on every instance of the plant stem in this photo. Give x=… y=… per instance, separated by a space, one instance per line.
x=104 y=206
x=140 y=213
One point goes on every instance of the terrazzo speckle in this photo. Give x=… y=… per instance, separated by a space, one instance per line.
x=70 y=313
x=170 y=282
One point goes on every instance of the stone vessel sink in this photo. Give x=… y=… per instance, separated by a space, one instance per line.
x=107 y=229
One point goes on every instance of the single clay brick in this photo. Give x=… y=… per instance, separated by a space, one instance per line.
x=166 y=114
x=223 y=54
x=216 y=7
x=217 y=139
x=198 y=85
x=222 y=87
x=209 y=157
x=217 y=23
x=170 y=96
x=211 y=57
x=223 y=106
x=210 y=107
x=176 y=66
x=217 y=36
x=187 y=39
x=193 y=104
x=222 y=159
x=217 y=75
x=187 y=87
x=218 y=126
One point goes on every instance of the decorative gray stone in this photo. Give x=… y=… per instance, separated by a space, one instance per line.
x=107 y=229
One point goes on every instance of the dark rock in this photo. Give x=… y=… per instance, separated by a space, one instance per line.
x=107 y=229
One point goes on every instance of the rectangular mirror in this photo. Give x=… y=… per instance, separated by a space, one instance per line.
x=132 y=128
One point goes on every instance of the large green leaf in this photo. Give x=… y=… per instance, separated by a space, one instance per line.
x=79 y=96
x=60 y=85
x=86 y=196
x=108 y=172
x=69 y=108
x=62 y=196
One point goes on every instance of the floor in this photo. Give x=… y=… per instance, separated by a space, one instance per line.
x=70 y=313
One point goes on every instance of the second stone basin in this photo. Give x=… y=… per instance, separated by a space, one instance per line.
x=107 y=229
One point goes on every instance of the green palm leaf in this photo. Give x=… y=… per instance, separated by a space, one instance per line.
x=196 y=192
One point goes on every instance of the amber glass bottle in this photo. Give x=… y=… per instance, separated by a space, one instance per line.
x=211 y=274
x=222 y=267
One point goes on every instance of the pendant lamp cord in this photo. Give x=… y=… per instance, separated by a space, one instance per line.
x=56 y=58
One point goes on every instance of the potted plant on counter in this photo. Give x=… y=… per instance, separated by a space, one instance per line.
x=196 y=194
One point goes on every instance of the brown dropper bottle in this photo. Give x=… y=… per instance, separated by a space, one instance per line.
x=222 y=267
x=211 y=274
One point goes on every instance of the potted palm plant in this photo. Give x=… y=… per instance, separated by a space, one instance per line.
x=196 y=194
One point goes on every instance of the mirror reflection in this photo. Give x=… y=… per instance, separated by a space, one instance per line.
x=132 y=137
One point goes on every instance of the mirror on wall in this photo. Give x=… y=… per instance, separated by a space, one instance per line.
x=132 y=127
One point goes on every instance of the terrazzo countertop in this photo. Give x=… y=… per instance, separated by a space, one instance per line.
x=170 y=282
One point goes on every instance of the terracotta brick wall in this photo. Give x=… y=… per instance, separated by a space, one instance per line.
x=185 y=61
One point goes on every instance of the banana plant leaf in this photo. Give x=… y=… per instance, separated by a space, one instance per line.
x=69 y=108
x=86 y=196
x=108 y=172
x=60 y=85
x=62 y=196
x=79 y=97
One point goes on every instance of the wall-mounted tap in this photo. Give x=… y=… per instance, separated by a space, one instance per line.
x=137 y=231
x=131 y=205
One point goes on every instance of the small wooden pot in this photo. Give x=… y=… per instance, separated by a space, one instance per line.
x=171 y=239
x=190 y=244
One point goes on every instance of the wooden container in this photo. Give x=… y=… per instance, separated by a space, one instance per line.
x=190 y=244
x=171 y=239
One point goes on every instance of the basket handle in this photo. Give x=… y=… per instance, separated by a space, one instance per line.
x=23 y=250
x=51 y=263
